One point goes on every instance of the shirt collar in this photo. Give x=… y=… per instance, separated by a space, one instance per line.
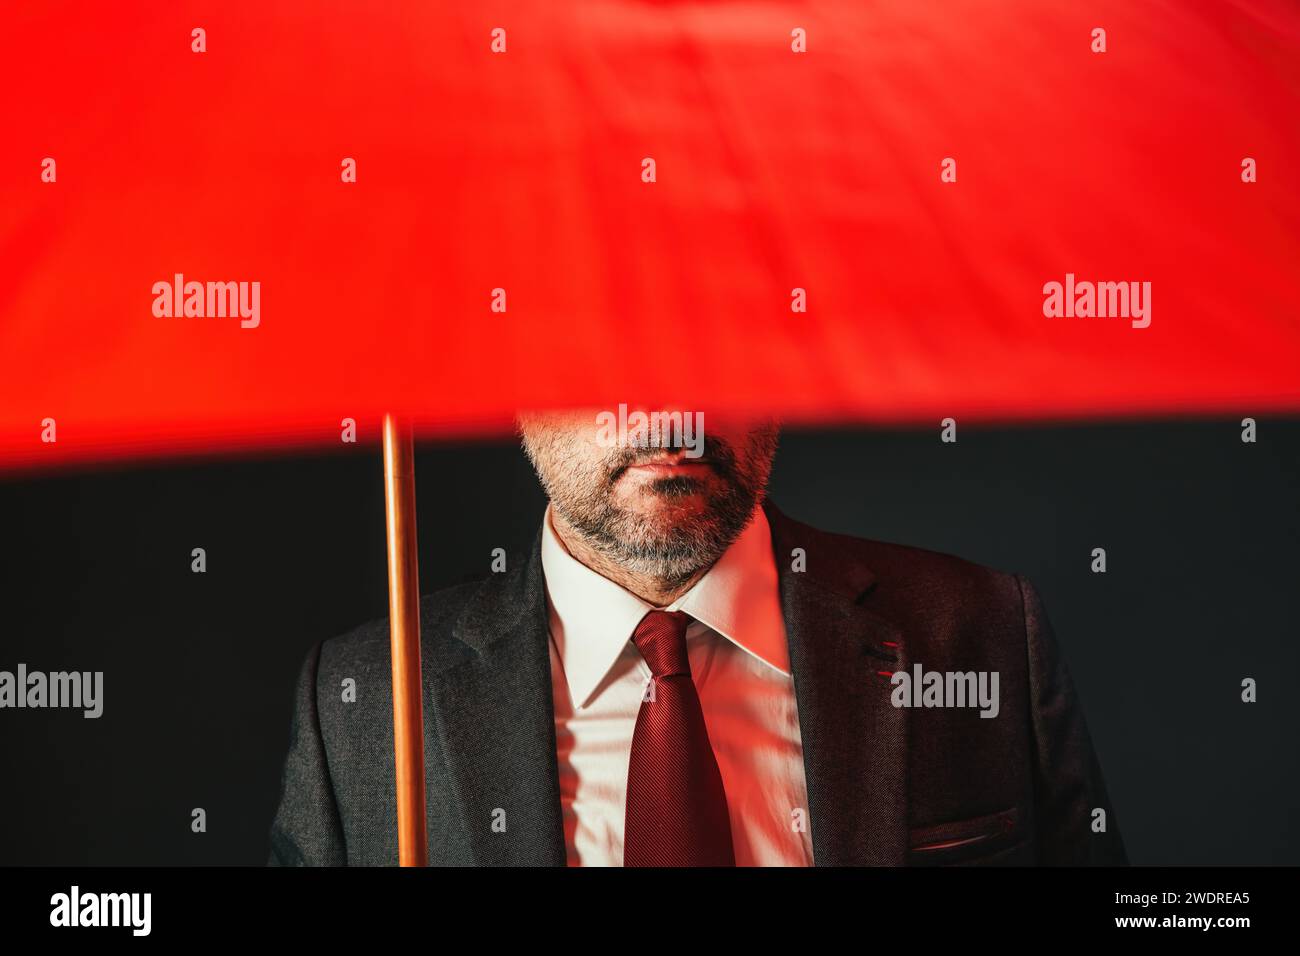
x=592 y=618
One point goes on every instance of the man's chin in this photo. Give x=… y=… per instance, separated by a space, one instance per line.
x=664 y=512
x=674 y=529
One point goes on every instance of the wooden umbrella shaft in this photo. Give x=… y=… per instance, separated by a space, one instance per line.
x=404 y=618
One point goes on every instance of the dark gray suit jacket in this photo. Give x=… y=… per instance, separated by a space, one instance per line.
x=886 y=785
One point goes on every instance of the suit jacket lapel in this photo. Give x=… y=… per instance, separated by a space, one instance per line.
x=491 y=711
x=854 y=739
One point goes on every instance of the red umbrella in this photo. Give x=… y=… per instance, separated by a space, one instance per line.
x=251 y=225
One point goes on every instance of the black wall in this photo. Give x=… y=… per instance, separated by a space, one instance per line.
x=1201 y=533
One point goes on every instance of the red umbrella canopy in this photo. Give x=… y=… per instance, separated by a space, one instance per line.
x=234 y=225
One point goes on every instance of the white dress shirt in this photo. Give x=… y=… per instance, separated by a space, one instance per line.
x=741 y=667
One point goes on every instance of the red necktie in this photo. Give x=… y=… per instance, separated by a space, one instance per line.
x=676 y=805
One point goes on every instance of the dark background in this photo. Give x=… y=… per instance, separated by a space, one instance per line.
x=1201 y=534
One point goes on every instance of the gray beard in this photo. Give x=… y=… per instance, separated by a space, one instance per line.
x=630 y=542
x=672 y=557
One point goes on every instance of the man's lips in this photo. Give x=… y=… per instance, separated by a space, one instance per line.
x=666 y=465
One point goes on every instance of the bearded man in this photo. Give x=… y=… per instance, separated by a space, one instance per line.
x=677 y=674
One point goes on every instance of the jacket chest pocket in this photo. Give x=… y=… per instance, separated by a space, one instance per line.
x=957 y=841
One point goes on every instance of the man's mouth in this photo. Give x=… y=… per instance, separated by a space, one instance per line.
x=666 y=465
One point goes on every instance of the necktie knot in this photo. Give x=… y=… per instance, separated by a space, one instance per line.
x=661 y=639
